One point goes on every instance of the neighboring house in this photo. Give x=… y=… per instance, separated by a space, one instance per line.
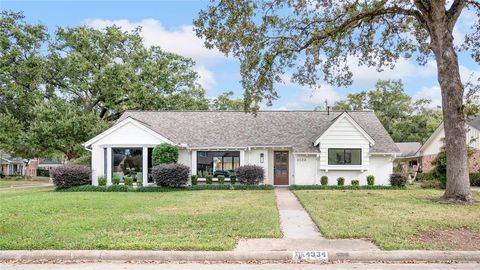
x=293 y=147
x=45 y=165
x=429 y=150
x=408 y=161
x=10 y=165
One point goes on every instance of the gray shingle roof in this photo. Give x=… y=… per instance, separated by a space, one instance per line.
x=408 y=149
x=298 y=129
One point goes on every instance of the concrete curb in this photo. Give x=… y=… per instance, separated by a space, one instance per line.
x=232 y=256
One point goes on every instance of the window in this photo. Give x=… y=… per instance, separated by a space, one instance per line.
x=127 y=162
x=338 y=156
x=217 y=162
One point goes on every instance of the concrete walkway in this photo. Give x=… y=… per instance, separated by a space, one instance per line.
x=299 y=231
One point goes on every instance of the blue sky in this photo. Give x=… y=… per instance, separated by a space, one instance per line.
x=168 y=24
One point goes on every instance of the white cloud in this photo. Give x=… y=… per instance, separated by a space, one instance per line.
x=181 y=40
x=433 y=93
x=318 y=96
x=403 y=69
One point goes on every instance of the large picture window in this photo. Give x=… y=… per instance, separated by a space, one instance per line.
x=217 y=163
x=340 y=156
x=127 y=162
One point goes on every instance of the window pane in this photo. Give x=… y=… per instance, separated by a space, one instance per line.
x=127 y=162
x=335 y=156
x=355 y=156
x=217 y=162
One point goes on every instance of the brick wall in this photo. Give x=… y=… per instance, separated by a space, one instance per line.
x=473 y=162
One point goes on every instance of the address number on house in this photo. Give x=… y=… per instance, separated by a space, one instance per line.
x=312 y=255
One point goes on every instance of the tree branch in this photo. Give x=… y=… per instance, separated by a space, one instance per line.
x=454 y=12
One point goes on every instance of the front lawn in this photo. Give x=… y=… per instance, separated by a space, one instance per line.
x=393 y=219
x=8 y=183
x=181 y=220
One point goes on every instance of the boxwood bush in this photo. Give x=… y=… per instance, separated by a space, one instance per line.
x=170 y=175
x=71 y=176
x=474 y=179
x=355 y=183
x=221 y=179
x=340 y=181
x=194 y=180
x=249 y=174
x=233 y=179
x=102 y=181
x=115 y=180
x=398 y=180
x=370 y=180
x=324 y=180
x=208 y=179
x=119 y=188
x=128 y=180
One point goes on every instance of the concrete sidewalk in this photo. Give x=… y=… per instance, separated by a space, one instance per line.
x=299 y=232
x=27 y=186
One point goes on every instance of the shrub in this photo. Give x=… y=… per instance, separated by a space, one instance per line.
x=355 y=183
x=340 y=181
x=370 y=180
x=170 y=175
x=42 y=172
x=84 y=188
x=139 y=183
x=194 y=180
x=208 y=179
x=115 y=180
x=128 y=180
x=233 y=179
x=71 y=176
x=324 y=180
x=221 y=179
x=474 y=179
x=164 y=154
x=249 y=174
x=102 y=181
x=318 y=187
x=119 y=188
x=398 y=180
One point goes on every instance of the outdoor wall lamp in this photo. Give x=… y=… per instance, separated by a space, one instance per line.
x=262 y=157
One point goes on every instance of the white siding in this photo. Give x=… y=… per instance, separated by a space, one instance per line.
x=306 y=168
x=253 y=157
x=343 y=134
x=437 y=141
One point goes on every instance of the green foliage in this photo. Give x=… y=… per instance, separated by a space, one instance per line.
x=83 y=188
x=115 y=180
x=102 y=181
x=475 y=179
x=221 y=179
x=233 y=179
x=340 y=181
x=371 y=180
x=355 y=183
x=119 y=188
x=209 y=179
x=440 y=169
x=139 y=183
x=398 y=180
x=224 y=102
x=317 y=187
x=324 y=180
x=128 y=180
x=164 y=154
x=42 y=172
x=194 y=180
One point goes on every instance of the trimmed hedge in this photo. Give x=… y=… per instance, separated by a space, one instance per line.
x=164 y=154
x=398 y=180
x=355 y=183
x=122 y=188
x=318 y=187
x=194 y=180
x=324 y=180
x=102 y=181
x=221 y=179
x=170 y=175
x=233 y=179
x=249 y=174
x=71 y=176
x=340 y=181
x=371 y=180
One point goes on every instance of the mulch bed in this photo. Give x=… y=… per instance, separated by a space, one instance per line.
x=452 y=239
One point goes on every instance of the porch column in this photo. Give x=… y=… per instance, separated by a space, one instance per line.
x=194 y=162
x=145 y=166
x=109 y=166
x=242 y=157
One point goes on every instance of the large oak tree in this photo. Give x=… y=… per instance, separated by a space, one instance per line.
x=314 y=39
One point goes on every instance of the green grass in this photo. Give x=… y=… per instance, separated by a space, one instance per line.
x=8 y=183
x=390 y=218
x=186 y=220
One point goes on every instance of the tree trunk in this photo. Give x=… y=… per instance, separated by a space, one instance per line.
x=458 y=183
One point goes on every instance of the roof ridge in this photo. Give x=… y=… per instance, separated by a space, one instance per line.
x=263 y=111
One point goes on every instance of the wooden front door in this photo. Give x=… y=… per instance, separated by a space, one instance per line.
x=280 y=167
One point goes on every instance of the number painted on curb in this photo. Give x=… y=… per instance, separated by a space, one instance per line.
x=311 y=255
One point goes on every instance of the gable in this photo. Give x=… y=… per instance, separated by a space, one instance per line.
x=128 y=132
x=345 y=129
